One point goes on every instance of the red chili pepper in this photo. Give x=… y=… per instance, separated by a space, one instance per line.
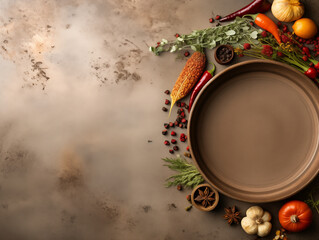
x=266 y=23
x=202 y=81
x=256 y=6
x=311 y=73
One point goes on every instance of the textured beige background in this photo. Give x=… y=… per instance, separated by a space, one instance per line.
x=80 y=96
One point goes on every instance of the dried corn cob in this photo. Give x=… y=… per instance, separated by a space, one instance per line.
x=187 y=79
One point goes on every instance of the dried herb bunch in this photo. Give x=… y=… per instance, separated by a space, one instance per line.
x=205 y=198
x=231 y=215
x=188 y=175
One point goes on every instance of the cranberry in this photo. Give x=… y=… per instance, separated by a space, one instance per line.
x=182 y=114
x=280 y=54
x=173 y=141
x=183 y=137
x=211 y=20
x=164 y=132
x=175 y=148
x=167 y=102
x=183 y=104
x=173 y=133
x=264 y=34
x=176 y=123
x=164 y=109
x=171 y=151
x=181 y=125
x=187 y=148
x=305 y=58
x=247 y=46
x=186 y=54
x=171 y=124
x=167 y=92
x=166 y=125
x=166 y=143
x=218 y=17
x=184 y=120
x=177 y=35
x=251 y=23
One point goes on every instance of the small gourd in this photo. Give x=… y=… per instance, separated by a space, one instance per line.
x=257 y=221
x=287 y=10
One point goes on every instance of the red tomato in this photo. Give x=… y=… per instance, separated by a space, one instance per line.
x=295 y=216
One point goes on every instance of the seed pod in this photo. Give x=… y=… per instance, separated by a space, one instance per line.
x=187 y=79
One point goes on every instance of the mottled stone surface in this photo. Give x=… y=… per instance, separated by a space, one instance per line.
x=81 y=121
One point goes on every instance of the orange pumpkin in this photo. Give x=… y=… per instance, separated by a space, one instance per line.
x=295 y=216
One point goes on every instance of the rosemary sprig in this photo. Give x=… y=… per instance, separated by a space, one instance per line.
x=188 y=175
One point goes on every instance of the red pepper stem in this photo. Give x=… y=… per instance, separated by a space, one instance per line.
x=253 y=16
x=212 y=70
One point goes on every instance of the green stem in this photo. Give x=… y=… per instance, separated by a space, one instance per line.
x=253 y=16
x=316 y=207
x=212 y=70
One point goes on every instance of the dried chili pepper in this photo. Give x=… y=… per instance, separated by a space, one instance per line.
x=266 y=23
x=256 y=6
x=203 y=80
x=192 y=71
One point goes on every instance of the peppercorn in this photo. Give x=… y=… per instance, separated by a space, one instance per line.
x=218 y=17
x=173 y=133
x=167 y=102
x=171 y=151
x=186 y=54
x=175 y=148
x=211 y=20
x=188 y=197
x=167 y=92
x=166 y=125
x=179 y=187
x=173 y=141
x=164 y=109
x=171 y=124
x=164 y=132
x=166 y=143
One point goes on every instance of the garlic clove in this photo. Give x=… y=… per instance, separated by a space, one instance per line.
x=249 y=225
x=264 y=229
x=266 y=217
x=255 y=212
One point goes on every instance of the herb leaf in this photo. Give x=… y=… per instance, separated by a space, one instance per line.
x=188 y=175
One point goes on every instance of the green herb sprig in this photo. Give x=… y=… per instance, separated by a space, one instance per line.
x=312 y=191
x=234 y=33
x=188 y=175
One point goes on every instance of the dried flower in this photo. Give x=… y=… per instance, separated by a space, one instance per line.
x=267 y=50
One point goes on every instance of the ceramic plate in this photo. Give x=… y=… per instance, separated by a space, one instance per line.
x=253 y=131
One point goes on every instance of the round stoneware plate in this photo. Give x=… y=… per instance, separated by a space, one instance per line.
x=253 y=131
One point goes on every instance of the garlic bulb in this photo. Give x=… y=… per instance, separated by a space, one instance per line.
x=287 y=10
x=257 y=221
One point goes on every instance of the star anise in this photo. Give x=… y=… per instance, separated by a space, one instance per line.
x=205 y=198
x=231 y=215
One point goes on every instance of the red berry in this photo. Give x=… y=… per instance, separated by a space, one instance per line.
x=173 y=133
x=280 y=54
x=264 y=34
x=175 y=148
x=173 y=141
x=184 y=120
x=158 y=43
x=279 y=23
x=218 y=17
x=183 y=137
x=182 y=114
x=305 y=58
x=241 y=55
x=167 y=92
x=187 y=148
x=166 y=125
x=179 y=187
x=164 y=132
x=311 y=64
x=181 y=110
x=251 y=23
x=188 y=198
x=211 y=20
x=176 y=123
x=183 y=104
x=171 y=151
x=166 y=142
x=186 y=54
x=177 y=35
x=300 y=40
x=167 y=102
x=247 y=46
x=171 y=124
x=180 y=125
